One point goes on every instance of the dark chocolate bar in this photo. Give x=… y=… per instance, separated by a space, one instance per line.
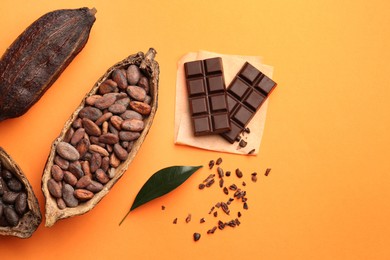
x=245 y=95
x=207 y=96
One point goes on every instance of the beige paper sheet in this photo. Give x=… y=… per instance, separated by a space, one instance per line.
x=183 y=126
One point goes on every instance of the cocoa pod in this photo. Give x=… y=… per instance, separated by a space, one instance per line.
x=106 y=160
x=43 y=51
x=26 y=216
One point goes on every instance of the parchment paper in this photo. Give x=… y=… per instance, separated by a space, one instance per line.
x=183 y=125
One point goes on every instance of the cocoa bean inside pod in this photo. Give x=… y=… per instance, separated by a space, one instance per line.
x=104 y=150
x=39 y=55
x=20 y=214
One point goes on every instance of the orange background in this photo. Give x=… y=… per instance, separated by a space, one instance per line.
x=326 y=136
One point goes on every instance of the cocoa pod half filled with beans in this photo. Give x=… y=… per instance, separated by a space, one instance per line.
x=20 y=215
x=39 y=55
x=101 y=138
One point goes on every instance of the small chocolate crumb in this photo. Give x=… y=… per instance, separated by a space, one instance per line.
x=238 y=138
x=218 y=205
x=221 y=225
x=245 y=206
x=209 y=183
x=220 y=183
x=239 y=173
x=211 y=176
x=196 y=236
x=267 y=171
x=252 y=151
x=239 y=214
x=201 y=186
x=219 y=161
x=242 y=143
x=188 y=218
x=211 y=164
x=243 y=183
x=220 y=172
x=162 y=207
x=212 y=209
x=175 y=221
x=215 y=213
x=202 y=220
x=211 y=231
x=237 y=222
x=225 y=190
x=233 y=187
x=227 y=173
x=247 y=130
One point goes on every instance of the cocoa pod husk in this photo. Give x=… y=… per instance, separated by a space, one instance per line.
x=39 y=55
x=32 y=217
x=149 y=68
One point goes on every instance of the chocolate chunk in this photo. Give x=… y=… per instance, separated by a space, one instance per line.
x=207 y=96
x=245 y=95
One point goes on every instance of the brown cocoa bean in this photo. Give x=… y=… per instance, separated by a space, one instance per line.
x=70 y=178
x=123 y=101
x=92 y=99
x=148 y=100
x=144 y=83
x=105 y=164
x=114 y=161
x=10 y=197
x=108 y=86
x=136 y=93
x=105 y=127
x=14 y=185
x=101 y=176
x=116 y=121
x=91 y=128
x=54 y=188
x=86 y=168
x=67 y=151
x=96 y=162
x=91 y=113
x=108 y=138
x=7 y=175
x=112 y=129
x=135 y=125
x=21 y=203
x=57 y=173
x=133 y=74
x=82 y=147
x=111 y=173
x=117 y=108
x=83 y=195
x=95 y=140
x=98 y=149
x=61 y=203
x=68 y=135
x=130 y=114
x=103 y=118
x=120 y=78
x=106 y=101
x=11 y=216
x=83 y=182
x=68 y=196
x=95 y=186
x=76 y=124
x=3 y=187
x=128 y=136
x=120 y=152
x=77 y=136
x=64 y=164
x=76 y=169
x=140 y=107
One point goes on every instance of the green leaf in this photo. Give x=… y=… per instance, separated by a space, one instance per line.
x=161 y=183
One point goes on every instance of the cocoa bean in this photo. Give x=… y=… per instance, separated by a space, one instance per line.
x=128 y=136
x=67 y=151
x=140 y=107
x=69 y=178
x=83 y=182
x=54 y=188
x=114 y=161
x=98 y=149
x=120 y=152
x=61 y=162
x=14 y=185
x=133 y=74
x=105 y=127
x=123 y=101
x=68 y=196
x=68 y=135
x=135 y=125
x=21 y=203
x=91 y=128
x=77 y=136
x=106 y=101
x=95 y=140
x=105 y=164
x=86 y=168
x=82 y=147
x=101 y=176
x=108 y=138
x=108 y=86
x=6 y=174
x=3 y=187
x=96 y=162
x=61 y=203
x=11 y=216
x=76 y=124
x=136 y=93
x=116 y=121
x=117 y=108
x=130 y=114
x=76 y=169
x=111 y=173
x=148 y=100
x=95 y=186
x=91 y=113
x=112 y=129
x=120 y=78
x=83 y=195
x=144 y=83
x=92 y=99
x=57 y=173
x=10 y=197
x=103 y=118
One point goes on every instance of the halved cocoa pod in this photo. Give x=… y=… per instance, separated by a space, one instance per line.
x=101 y=155
x=39 y=55
x=19 y=216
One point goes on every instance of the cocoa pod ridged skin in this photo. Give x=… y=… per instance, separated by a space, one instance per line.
x=23 y=216
x=107 y=153
x=34 y=60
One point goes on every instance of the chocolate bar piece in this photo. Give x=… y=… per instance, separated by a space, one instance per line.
x=207 y=96
x=245 y=95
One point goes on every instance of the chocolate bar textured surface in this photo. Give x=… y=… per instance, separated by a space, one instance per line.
x=207 y=96
x=245 y=95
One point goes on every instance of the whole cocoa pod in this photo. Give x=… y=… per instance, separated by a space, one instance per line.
x=39 y=55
